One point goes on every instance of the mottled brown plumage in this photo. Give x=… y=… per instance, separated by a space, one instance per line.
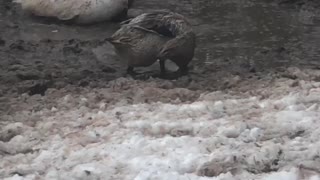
x=156 y=35
x=136 y=46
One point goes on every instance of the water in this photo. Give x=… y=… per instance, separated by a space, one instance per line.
x=243 y=33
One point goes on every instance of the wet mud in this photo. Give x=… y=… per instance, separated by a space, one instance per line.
x=241 y=44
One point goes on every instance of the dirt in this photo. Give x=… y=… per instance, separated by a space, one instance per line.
x=37 y=54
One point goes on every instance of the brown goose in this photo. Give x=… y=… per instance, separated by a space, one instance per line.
x=158 y=35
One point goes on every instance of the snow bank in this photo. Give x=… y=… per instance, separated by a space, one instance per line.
x=140 y=130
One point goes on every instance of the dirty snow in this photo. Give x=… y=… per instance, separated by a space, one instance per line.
x=140 y=130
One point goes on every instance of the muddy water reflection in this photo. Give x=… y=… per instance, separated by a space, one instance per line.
x=243 y=33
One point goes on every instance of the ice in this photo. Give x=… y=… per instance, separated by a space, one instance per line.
x=140 y=130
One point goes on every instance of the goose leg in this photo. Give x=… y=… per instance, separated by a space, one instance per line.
x=130 y=70
x=183 y=70
x=162 y=66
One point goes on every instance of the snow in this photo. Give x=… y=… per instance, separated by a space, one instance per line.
x=140 y=130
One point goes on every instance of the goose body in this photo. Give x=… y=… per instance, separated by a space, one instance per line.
x=156 y=35
x=81 y=11
x=137 y=47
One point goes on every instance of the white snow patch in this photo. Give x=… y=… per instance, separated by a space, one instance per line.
x=232 y=138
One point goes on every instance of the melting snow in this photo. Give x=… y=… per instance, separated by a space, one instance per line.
x=133 y=130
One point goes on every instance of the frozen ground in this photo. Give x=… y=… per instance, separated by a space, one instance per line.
x=148 y=130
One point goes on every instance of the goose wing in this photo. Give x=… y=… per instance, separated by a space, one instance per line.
x=163 y=22
x=129 y=34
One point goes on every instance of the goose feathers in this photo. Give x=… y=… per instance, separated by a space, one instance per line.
x=83 y=11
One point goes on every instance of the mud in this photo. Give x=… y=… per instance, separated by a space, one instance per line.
x=238 y=48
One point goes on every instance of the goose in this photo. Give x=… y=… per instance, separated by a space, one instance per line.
x=157 y=35
x=80 y=11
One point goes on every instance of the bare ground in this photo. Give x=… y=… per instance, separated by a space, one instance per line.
x=37 y=54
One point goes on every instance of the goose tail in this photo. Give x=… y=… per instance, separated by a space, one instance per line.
x=108 y=39
x=105 y=40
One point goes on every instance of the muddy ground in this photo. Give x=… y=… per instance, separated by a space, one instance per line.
x=256 y=62
x=37 y=54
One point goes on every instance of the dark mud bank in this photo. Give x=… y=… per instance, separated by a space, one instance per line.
x=37 y=54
